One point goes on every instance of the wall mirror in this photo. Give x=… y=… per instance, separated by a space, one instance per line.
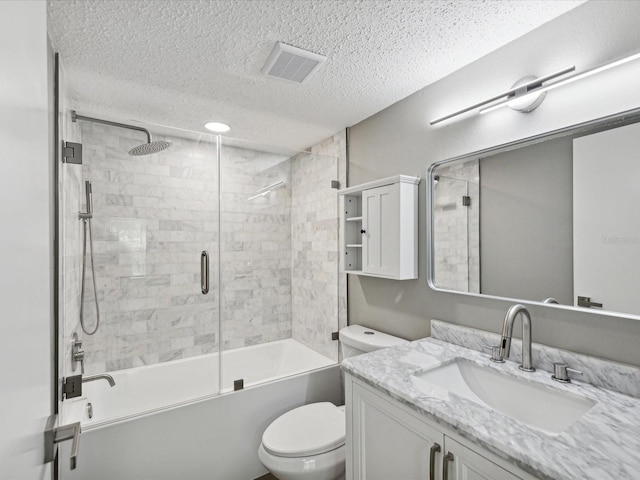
x=553 y=218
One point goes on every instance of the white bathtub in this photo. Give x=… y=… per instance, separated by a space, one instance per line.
x=169 y=421
x=152 y=388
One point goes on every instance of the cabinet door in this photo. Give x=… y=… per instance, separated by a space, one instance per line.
x=381 y=223
x=389 y=444
x=465 y=464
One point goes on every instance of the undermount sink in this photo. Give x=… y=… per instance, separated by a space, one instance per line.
x=536 y=405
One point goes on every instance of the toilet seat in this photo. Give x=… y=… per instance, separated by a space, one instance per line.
x=304 y=431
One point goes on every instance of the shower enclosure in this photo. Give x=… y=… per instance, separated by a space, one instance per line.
x=208 y=248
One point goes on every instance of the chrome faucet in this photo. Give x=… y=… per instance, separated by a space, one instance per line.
x=101 y=376
x=507 y=332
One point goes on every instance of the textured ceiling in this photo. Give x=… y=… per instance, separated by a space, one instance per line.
x=183 y=63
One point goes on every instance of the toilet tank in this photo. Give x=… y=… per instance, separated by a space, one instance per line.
x=356 y=340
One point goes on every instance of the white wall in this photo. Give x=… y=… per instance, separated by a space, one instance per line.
x=25 y=253
x=399 y=140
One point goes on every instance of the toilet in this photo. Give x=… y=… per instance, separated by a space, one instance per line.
x=307 y=443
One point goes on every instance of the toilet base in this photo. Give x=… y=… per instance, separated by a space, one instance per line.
x=326 y=466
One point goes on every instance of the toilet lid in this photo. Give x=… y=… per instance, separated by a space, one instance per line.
x=308 y=430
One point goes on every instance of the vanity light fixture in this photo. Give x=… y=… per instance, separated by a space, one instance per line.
x=217 y=127
x=565 y=81
x=531 y=92
x=517 y=91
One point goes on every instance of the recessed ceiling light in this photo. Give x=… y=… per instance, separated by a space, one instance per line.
x=217 y=127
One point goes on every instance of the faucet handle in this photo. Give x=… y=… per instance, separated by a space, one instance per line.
x=77 y=354
x=496 y=355
x=561 y=372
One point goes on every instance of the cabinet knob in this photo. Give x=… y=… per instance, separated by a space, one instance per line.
x=363 y=231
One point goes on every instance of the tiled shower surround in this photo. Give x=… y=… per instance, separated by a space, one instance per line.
x=154 y=215
x=256 y=248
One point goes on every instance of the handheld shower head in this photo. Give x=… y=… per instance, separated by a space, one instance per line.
x=89 y=197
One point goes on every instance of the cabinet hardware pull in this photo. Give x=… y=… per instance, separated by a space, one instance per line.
x=435 y=448
x=363 y=231
x=445 y=465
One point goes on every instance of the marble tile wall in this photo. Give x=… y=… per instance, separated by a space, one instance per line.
x=255 y=247
x=318 y=291
x=457 y=228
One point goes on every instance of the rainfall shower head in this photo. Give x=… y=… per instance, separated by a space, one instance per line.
x=145 y=149
x=149 y=148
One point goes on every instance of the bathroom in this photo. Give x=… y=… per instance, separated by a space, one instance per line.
x=393 y=138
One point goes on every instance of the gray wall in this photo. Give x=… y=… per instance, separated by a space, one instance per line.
x=399 y=140
x=526 y=222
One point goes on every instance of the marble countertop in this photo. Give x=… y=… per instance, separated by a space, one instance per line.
x=603 y=444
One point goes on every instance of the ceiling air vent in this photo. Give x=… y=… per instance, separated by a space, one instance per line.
x=291 y=63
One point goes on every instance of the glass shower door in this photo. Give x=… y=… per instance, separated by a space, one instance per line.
x=279 y=263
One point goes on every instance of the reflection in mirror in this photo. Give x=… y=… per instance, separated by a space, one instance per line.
x=549 y=218
x=457 y=227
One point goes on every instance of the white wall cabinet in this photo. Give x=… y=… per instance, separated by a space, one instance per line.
x=387 y=440
x=380 y=228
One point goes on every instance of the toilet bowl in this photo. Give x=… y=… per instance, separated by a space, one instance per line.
x=308 y=442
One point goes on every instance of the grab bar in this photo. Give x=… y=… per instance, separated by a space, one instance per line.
x=204 y=272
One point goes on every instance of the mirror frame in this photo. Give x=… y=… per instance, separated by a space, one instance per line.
x=602 y=123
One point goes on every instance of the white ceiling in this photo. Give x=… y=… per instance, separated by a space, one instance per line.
x=183 y=63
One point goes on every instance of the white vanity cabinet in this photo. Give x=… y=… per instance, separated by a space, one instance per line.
x=379 y=234
x=386 y=440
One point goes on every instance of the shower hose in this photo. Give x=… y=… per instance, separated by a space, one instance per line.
x=87 y=225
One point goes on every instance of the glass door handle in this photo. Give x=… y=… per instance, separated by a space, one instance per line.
x=204 y=272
